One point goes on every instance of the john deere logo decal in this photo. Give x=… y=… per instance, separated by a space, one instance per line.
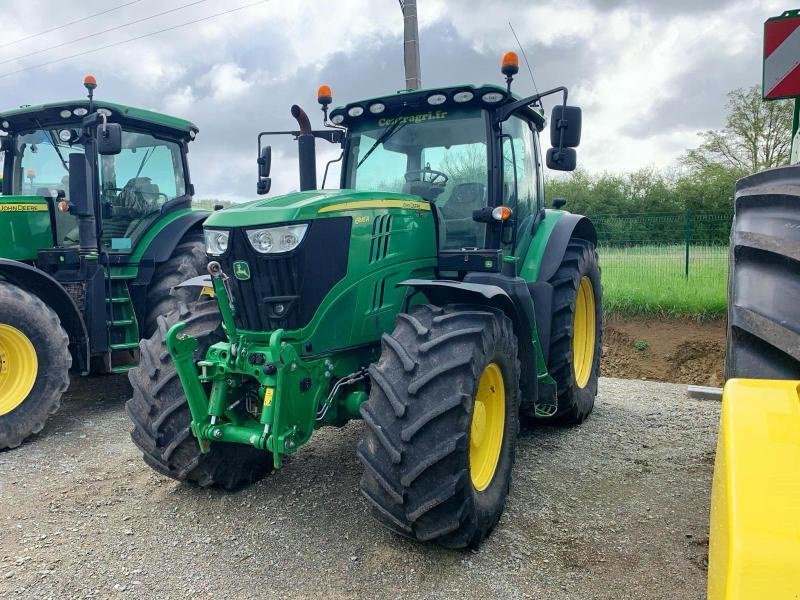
x=241 y=270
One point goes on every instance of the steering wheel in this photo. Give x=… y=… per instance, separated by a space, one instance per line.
x=435 y=177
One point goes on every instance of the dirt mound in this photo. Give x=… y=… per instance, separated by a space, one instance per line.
x=664 y=349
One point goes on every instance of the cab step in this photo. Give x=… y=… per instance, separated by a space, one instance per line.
x=125 y=346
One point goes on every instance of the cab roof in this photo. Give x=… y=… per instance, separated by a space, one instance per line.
x=409 y=101
x=31 y=117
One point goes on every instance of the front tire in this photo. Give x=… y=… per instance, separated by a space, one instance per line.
x=577 y=332
x=442 y=423
x=34 y=364
x=187 y=260
x=161 y=417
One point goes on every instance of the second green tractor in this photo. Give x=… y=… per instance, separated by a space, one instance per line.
x=432 y=296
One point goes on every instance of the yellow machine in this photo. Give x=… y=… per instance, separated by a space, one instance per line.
x=754 y=548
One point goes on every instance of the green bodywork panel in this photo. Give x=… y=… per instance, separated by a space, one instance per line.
x=159 y=223
x=24 y=227
x=530 y=261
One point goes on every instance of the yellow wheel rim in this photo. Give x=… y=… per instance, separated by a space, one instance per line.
x=488 y=423
x=584 y=328
x=18 y=368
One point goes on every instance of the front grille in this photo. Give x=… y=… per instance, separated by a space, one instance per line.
x=285 y=290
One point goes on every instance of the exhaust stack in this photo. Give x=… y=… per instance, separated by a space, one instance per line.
x=307 y=152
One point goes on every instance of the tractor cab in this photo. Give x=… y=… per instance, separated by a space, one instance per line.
x=472 y=152
x=143 y=175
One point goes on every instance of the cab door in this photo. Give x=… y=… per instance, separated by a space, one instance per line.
x=521 y=184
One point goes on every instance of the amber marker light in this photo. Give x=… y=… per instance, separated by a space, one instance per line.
x=501 y=213
x=90 y=82
x=324 y=95
x=510 y=64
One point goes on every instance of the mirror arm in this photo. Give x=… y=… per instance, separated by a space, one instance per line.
x=507 y=110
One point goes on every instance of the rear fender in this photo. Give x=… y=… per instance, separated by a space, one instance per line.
x=52 y=293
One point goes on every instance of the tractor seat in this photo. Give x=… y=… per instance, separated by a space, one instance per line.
x=457 y=214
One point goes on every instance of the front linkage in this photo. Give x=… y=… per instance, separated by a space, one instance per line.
x=286 y=396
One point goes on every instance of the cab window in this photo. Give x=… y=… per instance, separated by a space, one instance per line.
x=520 y=181
x=135 y=184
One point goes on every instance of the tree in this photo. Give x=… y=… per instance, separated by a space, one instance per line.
x=757 y=135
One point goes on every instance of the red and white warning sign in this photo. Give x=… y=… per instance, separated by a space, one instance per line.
x=782 y=56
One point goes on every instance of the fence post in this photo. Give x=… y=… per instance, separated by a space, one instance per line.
x=687 y=234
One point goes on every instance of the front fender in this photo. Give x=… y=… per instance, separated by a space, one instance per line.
x=515 y=301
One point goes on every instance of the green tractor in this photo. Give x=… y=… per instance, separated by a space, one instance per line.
x=433 y=296
x=96 y=227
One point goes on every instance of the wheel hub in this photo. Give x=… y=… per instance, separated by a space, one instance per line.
x=486 y=429
x=18 y=368
x=584 y=332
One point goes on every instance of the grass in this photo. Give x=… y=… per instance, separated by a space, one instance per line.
x=651 y=280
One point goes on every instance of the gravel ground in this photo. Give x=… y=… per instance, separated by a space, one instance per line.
x=615 y=508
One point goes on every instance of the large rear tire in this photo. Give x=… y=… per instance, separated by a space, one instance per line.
x=763 y=339
x=34 y=364
x=160 y=413
x=577 y=332
x=442 y=423
x=187 y=260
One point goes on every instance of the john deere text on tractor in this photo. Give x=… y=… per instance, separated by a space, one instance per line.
x=95 y=229
x=432 y=295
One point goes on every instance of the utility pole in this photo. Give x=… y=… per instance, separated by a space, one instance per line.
x=411 y=44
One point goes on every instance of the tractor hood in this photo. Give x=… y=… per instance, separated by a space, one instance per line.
x=303 y=206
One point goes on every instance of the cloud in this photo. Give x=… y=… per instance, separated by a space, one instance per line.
x=649 y=74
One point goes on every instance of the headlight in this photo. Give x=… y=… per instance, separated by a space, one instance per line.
x=274 y=240
x=216 y=241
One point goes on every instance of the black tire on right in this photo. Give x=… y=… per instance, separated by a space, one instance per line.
x=416 y=450
x=160 y=413
x=574 y=402
x=763 y=340
x=40 y=324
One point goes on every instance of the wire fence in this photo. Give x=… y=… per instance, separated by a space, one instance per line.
x=665 y=262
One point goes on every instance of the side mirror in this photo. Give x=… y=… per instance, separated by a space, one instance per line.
x=109 y=139
x=265 y=162
x=562 y=160
x=5 y=143
x=78 y=186
x=565 y=126
x=558 y=203
x=264 y=167
x=264 y=185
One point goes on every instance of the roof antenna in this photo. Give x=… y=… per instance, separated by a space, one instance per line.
x=522 y=50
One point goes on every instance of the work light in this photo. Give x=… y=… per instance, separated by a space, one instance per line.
x=275 y=240
x=216 y=241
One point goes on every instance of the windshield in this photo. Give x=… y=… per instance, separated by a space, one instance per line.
x=134 y=184
x=440 y=156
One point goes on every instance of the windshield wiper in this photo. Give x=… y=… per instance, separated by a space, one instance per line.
x=54 y=142
x=147 y=154
x=387 y=133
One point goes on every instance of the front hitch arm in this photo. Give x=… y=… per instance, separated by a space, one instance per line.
x=182 y=347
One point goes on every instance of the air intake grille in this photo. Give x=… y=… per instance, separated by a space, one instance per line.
x=284 y=291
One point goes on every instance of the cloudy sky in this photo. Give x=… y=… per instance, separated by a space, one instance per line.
x=649 y=74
